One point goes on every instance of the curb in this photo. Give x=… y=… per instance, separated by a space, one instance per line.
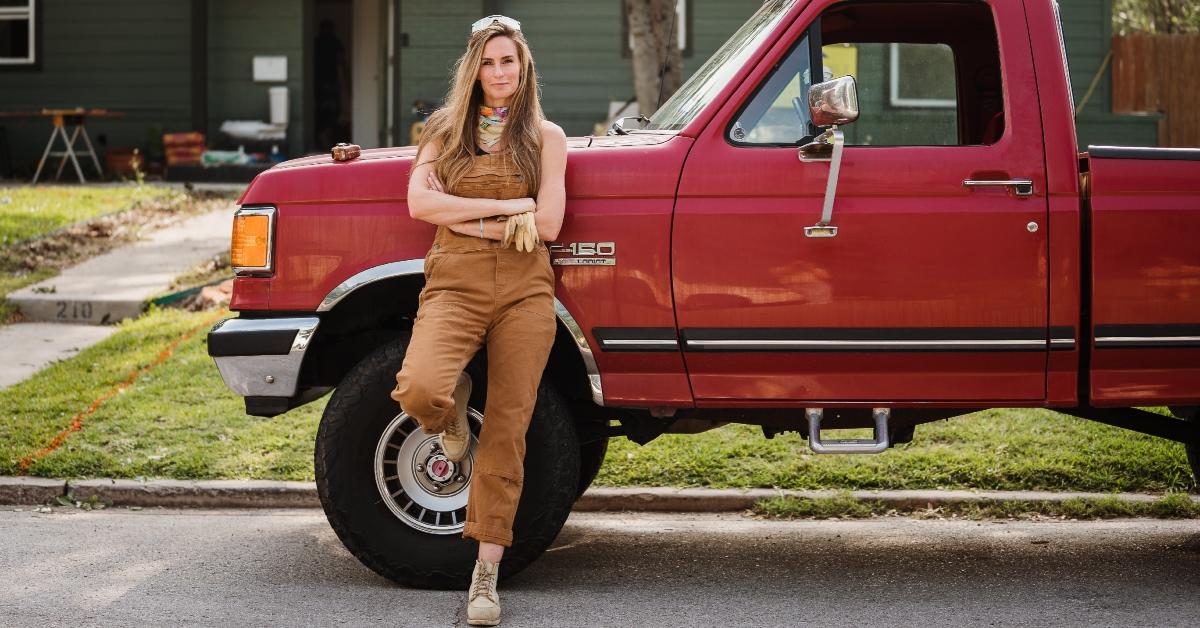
x=197 y=494
x=29 y=490
x=725 y=500
x=277 y=494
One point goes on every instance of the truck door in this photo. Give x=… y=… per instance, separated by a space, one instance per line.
x=933 y=289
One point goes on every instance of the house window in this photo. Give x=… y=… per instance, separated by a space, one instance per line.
x=682 y=22
x=18 y=33
x=922 y=75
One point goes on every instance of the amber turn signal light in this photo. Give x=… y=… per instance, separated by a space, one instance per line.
x=250 y=248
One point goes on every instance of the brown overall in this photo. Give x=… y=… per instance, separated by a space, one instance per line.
x=478 y=291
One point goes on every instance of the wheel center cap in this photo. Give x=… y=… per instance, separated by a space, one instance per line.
x=439 y=469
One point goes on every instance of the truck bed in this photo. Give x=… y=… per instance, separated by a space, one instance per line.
x=1144 y=209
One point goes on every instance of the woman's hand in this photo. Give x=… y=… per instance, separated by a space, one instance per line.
x=432 y=183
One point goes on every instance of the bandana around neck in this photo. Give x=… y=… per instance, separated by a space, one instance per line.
x=491 y=124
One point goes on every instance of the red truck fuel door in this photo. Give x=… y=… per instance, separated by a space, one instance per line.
x=932 y=290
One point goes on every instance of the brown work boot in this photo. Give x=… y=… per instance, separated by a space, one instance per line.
x=483 y=603
x=456 y=440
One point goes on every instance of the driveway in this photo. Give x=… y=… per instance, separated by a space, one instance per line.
x=277 y=567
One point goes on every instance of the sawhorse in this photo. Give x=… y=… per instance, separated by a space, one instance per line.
x=62 y=118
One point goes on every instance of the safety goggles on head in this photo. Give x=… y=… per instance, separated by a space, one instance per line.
x=483 y=23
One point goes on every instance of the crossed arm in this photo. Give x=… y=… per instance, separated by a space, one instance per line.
x=428 y=200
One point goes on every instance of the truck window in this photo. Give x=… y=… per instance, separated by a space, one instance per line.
x=907 y=92
x=933 y=81
x=699 y=90
x=928 y=73
x=778 y=111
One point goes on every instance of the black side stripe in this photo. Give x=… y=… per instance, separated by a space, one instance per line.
x=1147 y=336
x=1138 y=152
x=1062 y=338
x=900 y=339
x=636 y=338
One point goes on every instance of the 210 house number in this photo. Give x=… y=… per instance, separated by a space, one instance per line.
x=73 y=310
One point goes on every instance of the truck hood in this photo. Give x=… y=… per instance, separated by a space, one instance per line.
x=381 y=174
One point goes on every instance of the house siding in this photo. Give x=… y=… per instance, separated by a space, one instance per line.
x=577 y=46
x=437 y=33
x=130 y=56
x=237 y=32
x=1087 y=34
x=578 y=51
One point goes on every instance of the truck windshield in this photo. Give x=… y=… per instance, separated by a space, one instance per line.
x=702 y=87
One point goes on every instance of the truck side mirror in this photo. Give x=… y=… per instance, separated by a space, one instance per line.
x=831 y=103
x=834 y=102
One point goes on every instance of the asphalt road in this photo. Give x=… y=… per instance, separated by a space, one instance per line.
x=232 y=568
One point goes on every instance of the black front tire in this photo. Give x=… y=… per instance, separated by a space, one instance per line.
x=591 y=458
x=355 y=419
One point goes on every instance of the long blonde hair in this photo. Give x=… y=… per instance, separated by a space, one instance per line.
x=454 y=125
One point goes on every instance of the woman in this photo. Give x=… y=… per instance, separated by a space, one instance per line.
x=489 y=172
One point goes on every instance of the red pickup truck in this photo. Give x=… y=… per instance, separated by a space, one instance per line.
x=753 y=254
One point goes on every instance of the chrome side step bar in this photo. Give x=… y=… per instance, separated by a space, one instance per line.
x=850 y=445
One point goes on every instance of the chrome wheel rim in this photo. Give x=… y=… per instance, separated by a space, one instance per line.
x=417 y=483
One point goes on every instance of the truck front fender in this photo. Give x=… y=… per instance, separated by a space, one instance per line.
x=408 y=267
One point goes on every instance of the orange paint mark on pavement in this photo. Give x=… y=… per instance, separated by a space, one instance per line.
x=77 y=420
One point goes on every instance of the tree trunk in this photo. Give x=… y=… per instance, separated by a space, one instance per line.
x=654 y=26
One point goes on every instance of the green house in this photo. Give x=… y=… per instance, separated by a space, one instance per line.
x=192 y=65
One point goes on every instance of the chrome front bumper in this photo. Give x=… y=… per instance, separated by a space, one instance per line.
x=261 y=357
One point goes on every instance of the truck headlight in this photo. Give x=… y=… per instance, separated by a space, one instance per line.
x=252 y=248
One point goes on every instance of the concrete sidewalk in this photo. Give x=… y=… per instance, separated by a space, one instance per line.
x=113 y=286
x=28 y=347
x=78 y=308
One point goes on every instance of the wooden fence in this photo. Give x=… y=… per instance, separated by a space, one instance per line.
x=1160 y=73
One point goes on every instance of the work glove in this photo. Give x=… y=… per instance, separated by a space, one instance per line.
x=521 y=230
x=531 y=238
x=510 y=226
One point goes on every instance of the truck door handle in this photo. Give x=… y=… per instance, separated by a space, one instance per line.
x=1022 y=187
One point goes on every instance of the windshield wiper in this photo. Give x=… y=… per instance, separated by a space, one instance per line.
x=617 y=129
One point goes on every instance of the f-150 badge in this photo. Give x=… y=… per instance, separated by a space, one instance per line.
x=585 y=254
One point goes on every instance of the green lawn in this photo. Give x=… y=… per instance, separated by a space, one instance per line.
x=179 y=421
x=1006 y=449
x=30 y=211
